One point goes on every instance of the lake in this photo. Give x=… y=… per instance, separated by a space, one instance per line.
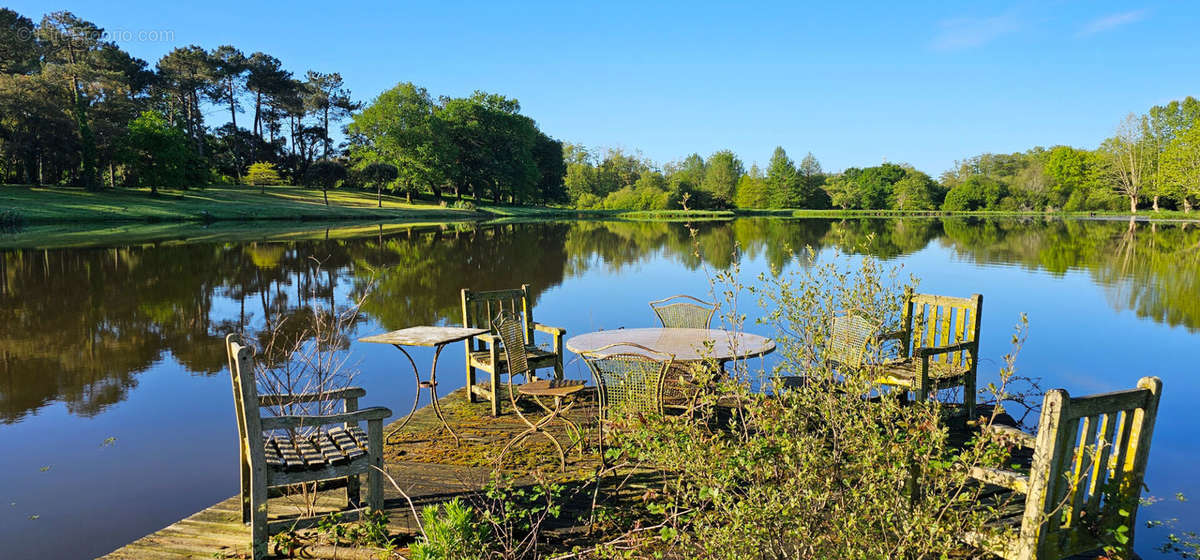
x=116 y=413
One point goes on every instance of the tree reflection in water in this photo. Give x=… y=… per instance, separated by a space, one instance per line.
x=79 y=325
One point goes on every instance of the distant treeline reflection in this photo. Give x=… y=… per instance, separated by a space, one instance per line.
x=78 y=325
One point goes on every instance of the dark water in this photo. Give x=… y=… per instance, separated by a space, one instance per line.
x=125 y=342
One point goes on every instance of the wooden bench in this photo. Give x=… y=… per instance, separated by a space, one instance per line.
x=276 y=451
x=1089 y=459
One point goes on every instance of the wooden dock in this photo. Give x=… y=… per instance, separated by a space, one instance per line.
x=423 y=459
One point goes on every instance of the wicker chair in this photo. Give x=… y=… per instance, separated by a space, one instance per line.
x=629 y=381
x=510 y=329
x=684 y=312
x=939 y=347
x=850 y=335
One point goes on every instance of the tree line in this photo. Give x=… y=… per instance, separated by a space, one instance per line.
x=76 y=109
x=1152 y=159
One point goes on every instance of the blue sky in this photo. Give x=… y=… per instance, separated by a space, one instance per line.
x=923 y=83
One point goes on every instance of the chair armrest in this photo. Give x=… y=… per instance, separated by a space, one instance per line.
x=339 y=394
x=935 y=350
x=486 y=338
x=1007 y=479
x=1012 y=435
x=283 y=422
x=556 y=331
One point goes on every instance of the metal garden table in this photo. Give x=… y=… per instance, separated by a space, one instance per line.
x=437 y=337
x=687 y=345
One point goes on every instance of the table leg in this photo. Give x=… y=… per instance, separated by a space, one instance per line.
x=437 y=407
x=416 y=398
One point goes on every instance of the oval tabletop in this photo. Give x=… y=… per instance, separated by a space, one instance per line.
x=685 y=344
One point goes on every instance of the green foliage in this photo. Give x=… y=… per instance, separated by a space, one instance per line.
x=157 y=154
x=11 y=220
x=451 y=531
x=751 y=193
x=808 y=472
x=978 y=192
x=263 y=174
x=722 y=172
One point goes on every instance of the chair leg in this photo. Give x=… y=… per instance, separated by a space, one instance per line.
x=258 y=523
x=246 y=509
x=495 y=396
x=375 y=475
x=558 y=367
x=471 y=396
x=969 y=393
x=353 y=491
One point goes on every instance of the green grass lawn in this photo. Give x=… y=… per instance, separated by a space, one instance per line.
x=43 y=205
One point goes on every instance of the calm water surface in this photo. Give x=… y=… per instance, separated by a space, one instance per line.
x=116 y=415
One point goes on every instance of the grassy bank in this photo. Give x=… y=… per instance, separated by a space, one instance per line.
x=41 y=205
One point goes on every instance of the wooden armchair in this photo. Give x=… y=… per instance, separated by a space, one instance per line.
x=484 y=351
x=939 y=347
x=684 y=312
x=279 y=451
x=1089 y=459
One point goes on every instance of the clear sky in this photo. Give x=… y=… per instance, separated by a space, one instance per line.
x=854 y=83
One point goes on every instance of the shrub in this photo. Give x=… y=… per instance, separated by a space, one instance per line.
x=263 y=174
x=463 y=205
x=451 y=532
x=814 y=470
x=587 y=201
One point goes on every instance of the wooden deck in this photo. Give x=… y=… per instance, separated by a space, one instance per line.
x=423 y=460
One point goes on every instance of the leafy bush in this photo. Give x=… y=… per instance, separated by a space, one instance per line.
x=451 y=532
x=587 y=201
x=463 y=205
x=976 y=193
x=263 y=174
x=804 y=469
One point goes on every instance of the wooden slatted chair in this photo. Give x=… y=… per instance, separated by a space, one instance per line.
x=629 y=381
x=279 y=451
x=939 y=347
x=483 y=351
x=684 y=312
x=1089 y=459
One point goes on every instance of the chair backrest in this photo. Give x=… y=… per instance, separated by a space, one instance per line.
x=245 y=398
x=481 y=308
x=931 y=320
x=508 y=326
x=1088 y=465
x=684 y=312
x=849 y=335
x=629 y=378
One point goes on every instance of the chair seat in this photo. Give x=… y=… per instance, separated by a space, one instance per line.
x=335 y=446
x=537 y=358
x=905 y=371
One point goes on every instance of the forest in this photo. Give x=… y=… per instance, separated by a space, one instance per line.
x=77 y=110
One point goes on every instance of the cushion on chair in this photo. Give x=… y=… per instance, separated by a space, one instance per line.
x=537 y=357
x=334 y=446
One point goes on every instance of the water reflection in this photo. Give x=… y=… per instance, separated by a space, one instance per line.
x=79 y=325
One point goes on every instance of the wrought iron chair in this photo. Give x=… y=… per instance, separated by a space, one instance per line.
x=1089 y=459
x=850 y=335
x=629 y=381
x=277 y=451
x=939 y=347
x=483 y=352
x=510 y=330
x=684 y=312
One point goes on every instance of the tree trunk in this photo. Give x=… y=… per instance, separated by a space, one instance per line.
x=1187 y=205
x=1133 y=205
x=1154 y=204
x=258 y=114
x=379 y=193
x=325 y=191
